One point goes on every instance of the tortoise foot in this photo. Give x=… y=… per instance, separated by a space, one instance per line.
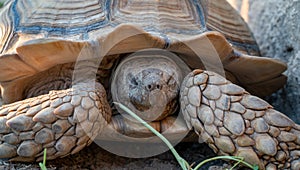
x=63 y=122
x=233 y=122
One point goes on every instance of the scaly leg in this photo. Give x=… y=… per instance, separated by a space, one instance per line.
x=63 y=121
x=233 y=122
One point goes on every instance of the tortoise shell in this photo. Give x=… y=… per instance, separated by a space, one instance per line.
x=37 y=36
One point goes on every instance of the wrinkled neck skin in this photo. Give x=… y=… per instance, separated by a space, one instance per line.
x=56 y=78
x=148 y=85
x=63 y=76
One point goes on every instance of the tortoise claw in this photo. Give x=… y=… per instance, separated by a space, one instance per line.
x=63 y=121
x=233 y=122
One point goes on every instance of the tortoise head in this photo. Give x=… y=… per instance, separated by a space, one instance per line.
x=148 y=82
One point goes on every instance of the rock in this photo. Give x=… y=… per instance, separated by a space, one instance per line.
x=275 y=25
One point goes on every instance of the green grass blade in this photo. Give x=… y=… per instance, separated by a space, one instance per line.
x=232 y=158
x=181 y=161
x=43 y=165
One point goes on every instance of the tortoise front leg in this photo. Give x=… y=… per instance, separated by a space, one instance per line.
x=233 y=122
x=63 y=121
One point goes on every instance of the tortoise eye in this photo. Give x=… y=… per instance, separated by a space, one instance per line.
x=132 y=80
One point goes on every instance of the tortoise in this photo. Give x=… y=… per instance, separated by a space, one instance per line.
x=183 y=66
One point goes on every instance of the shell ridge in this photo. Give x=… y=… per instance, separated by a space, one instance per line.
x=59 y=30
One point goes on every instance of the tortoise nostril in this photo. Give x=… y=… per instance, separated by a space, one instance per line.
x=149 y=87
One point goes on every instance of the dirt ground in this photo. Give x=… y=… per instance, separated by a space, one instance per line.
x=93 y=157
